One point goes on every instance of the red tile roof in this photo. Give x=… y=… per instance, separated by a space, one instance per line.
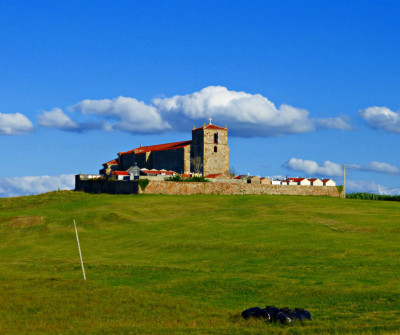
x=113 y=162
x=210 y=126
x=296 y=180
x=241 y=176
x=214 y=175
x=158 y=147
x=325 y=180
x=313 y=179
x=120 y=173
x=164 y=172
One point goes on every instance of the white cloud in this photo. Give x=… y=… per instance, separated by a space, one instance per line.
x=129 y=114
x=17 y=186
x=14 y=124
x=334 y=123
x=356 y=186
x=56 y=118
x=312 y=168
x=376 y=166
x=246 y=114
x=382 y=118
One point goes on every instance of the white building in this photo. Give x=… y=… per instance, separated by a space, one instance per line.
x=316 y=182
x=328 y=182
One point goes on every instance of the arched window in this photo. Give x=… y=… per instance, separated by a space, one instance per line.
x=215 y=149
x=216 y=137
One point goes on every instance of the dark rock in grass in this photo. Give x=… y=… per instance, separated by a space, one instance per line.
x=282 y=317
x=286 y=315
x=272 y=311
x=255 y=312
x=302 y=314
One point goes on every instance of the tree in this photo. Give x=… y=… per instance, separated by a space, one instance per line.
x=197 y=164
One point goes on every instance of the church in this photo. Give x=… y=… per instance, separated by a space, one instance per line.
x=206 y=153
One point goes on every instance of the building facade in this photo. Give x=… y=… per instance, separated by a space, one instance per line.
x=207 y=153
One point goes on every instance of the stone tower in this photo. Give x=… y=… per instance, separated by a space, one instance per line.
x=210 y=148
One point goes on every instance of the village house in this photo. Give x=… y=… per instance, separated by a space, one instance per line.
x=265 y=181
x=328 y=182
x=248 y=179
x=316 y=182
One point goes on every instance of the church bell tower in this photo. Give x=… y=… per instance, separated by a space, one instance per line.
x=209 y=151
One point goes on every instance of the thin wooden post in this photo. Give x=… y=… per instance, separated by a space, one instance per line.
x=80 y=254
x=344 y=180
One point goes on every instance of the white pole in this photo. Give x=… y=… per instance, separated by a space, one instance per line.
x=80 y=254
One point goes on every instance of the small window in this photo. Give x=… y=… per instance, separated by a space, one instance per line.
x=216 y=137
x=215 y=149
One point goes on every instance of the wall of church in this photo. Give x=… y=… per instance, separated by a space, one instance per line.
x=197 y=149
x=186 y=163
x=126 y=161
x=169 y=160
x=143 y=160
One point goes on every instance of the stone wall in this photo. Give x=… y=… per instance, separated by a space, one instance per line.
x=187 y=188
x=106 y=186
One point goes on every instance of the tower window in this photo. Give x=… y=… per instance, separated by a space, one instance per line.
x=216 y=137
x=215 y=149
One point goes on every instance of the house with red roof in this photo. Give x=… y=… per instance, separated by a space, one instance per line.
x=299 y=181
x=265 y=181
x=206 y=153
x=120 y=175
x=316 y=182
x=328 y=182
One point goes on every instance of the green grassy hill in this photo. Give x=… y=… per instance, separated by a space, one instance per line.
x=191 y=264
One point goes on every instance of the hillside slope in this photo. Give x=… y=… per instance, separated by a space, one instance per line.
x=191 y=264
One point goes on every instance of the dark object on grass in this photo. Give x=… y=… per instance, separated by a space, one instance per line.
x=302 y=314
x=272 y=311
x=255 y=312
x=285 y=315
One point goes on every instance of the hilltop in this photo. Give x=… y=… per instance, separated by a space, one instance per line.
x=190 y=264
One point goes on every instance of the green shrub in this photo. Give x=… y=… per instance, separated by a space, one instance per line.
x=372 y=196
x=143 y=183
x=197 y=179
x=191 y=179
x=174 y=178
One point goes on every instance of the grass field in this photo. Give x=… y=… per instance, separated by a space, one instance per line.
x=159 y=264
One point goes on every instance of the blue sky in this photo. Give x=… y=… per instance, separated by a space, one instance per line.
x=303 y=86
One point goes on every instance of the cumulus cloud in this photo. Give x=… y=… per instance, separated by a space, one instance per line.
x=17 y=186
x=14 y=124
x=328 y=168
x=246 y=114
x=128 y=114
x=338 y=122
x=381 y=118
x=376 y=166
x=56 y=118
x=356 y=186
x=312 y=168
